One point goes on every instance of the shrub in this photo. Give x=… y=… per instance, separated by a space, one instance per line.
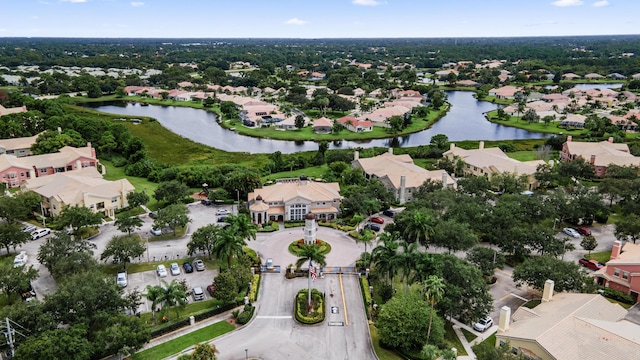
x=618 y=296
x=290 y=224
x=366 y=295
x=246 y=315
x=317 y=313
x=255 y=286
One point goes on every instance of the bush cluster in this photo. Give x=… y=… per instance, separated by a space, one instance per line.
x=618 y=296
x=336 y=226
x=366 y=295
x=246 y=314
x=255 y=286
x=205 y=314
x=293 y=223
x=317 y=313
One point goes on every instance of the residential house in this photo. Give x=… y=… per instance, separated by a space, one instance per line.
x=600 y=154
x=616 y=76
x=399 y=174
x=14 y=110
x=289 y=123
x=380 y=117
x=573 y=120
x=569 y=326
x=505 y=92
x=84 y=187
x=14 y=171
x=593 y=76
x=352 y=124
x=18 y=147
x=570 y=76
x=292 y=199
x=469 y=83
x=443 y=74
x=322 y=125
x=492 y=161
x=622 y=271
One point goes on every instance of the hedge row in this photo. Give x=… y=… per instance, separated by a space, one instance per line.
x=290 y=224
x=366 y=295
x=255 y=286
x=270 y=227
x=205 y=314
x=337 y=226
x=618 y=296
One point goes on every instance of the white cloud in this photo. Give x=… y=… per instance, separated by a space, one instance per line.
x=601 y=3
x=3 y=30
x=295 y=21
x=136 y=3
x=366 y=2
x=564 y=3
x=74 y=1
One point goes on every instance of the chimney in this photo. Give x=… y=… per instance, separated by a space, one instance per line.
x=610 y=139
x=593 y=159
x=356 y=155
x=390 y=150
x=505 y=318
x=569 y=138
x=615 y=251
x=444 y=179
x=481 y=145
x=547 y=293
x=403 y=181
x=452 y=146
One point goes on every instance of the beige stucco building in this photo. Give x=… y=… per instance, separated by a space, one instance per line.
x=84 y=187
x=399 y=174
x=292 y=199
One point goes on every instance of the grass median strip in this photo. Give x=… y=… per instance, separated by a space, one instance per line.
x=178 y=344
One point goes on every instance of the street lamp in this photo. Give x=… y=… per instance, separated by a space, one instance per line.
x=246 y=354
x=238 y=201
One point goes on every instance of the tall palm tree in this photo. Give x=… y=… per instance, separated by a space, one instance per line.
x=433 y=288
x=173 y=294
x=406 y=261
x=312 y=253
x=243 y=226
x=419 y=228
x=367 y=237
x=154 y=294
x=384 y=255
x=228 y=245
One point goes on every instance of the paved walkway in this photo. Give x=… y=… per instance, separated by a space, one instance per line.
x=480 y=337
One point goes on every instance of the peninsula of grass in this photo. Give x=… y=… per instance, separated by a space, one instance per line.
x=539 y=127
x=176 y=345
x=296 y=247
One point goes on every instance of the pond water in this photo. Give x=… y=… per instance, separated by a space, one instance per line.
x=464 y=121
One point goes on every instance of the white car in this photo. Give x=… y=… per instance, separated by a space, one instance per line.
x=571 y=232
x=29 y=228
x=37 y=234
x=121 y=278
x=223 y=212
x=20 y=259
x=175 y=269
x=161 y=270
x=156 y=232
x=483 y=324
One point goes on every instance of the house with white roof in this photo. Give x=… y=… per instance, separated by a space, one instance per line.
x=399 y=174
x=600 y=154
x=569 y=326
x=18 y=147
x=292 y=199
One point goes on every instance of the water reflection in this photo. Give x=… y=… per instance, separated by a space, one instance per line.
x=464 y=121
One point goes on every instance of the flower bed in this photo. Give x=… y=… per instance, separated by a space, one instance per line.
x=313 y=315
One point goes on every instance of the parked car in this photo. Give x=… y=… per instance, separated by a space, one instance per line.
x=121 y=278
x=198 y=293
x=29 y=228
x=206 y=202
x=37 y=234
x=210 y=289
x=222 y=212
x=20 y=259
x=583 y=231
x=161 y=270
x=483 y=324
x=153 y=214
x=156 y=232
x=571 y=232
x=590 y=264
x=175 y=269
x=377 y=219
x=27 y=293
x=198 y=264
x=389 y=213
x=187 y=267
x=374 y=227
x=222 y=219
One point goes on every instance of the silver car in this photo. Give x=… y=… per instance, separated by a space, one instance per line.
x=175 y=269
x=571 y=232
x=161 y=270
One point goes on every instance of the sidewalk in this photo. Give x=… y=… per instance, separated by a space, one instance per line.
x=457 y=326
x=188 y=329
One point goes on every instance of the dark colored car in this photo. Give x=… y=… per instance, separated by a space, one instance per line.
x=388 y=213
x=205 y=202
x=377 y=219
x=583 y=231
x=153 y=214
x=210 y=289
x=590 y=264
x=187 y=267
x=222 y=219
x=374 y=227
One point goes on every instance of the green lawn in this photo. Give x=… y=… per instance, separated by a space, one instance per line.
x=523 y=155
x=313 y=172
x=141 y=184
x=468 y=335
x=452 y=340
x=178 y=344
x=601 y=257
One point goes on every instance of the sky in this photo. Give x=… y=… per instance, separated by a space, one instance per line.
x=316 y=18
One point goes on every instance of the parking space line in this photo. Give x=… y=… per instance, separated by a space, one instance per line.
x=274 y=317
x=344 y=302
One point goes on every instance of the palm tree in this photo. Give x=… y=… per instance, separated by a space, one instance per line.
x=406 y=260
x=384 y=255
x=154 y=294
x=229 y=244
x=433 y=289
x=243 y=226
x=173 y=294
x=312 y=253
x=419 y=228
x=366 y=238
